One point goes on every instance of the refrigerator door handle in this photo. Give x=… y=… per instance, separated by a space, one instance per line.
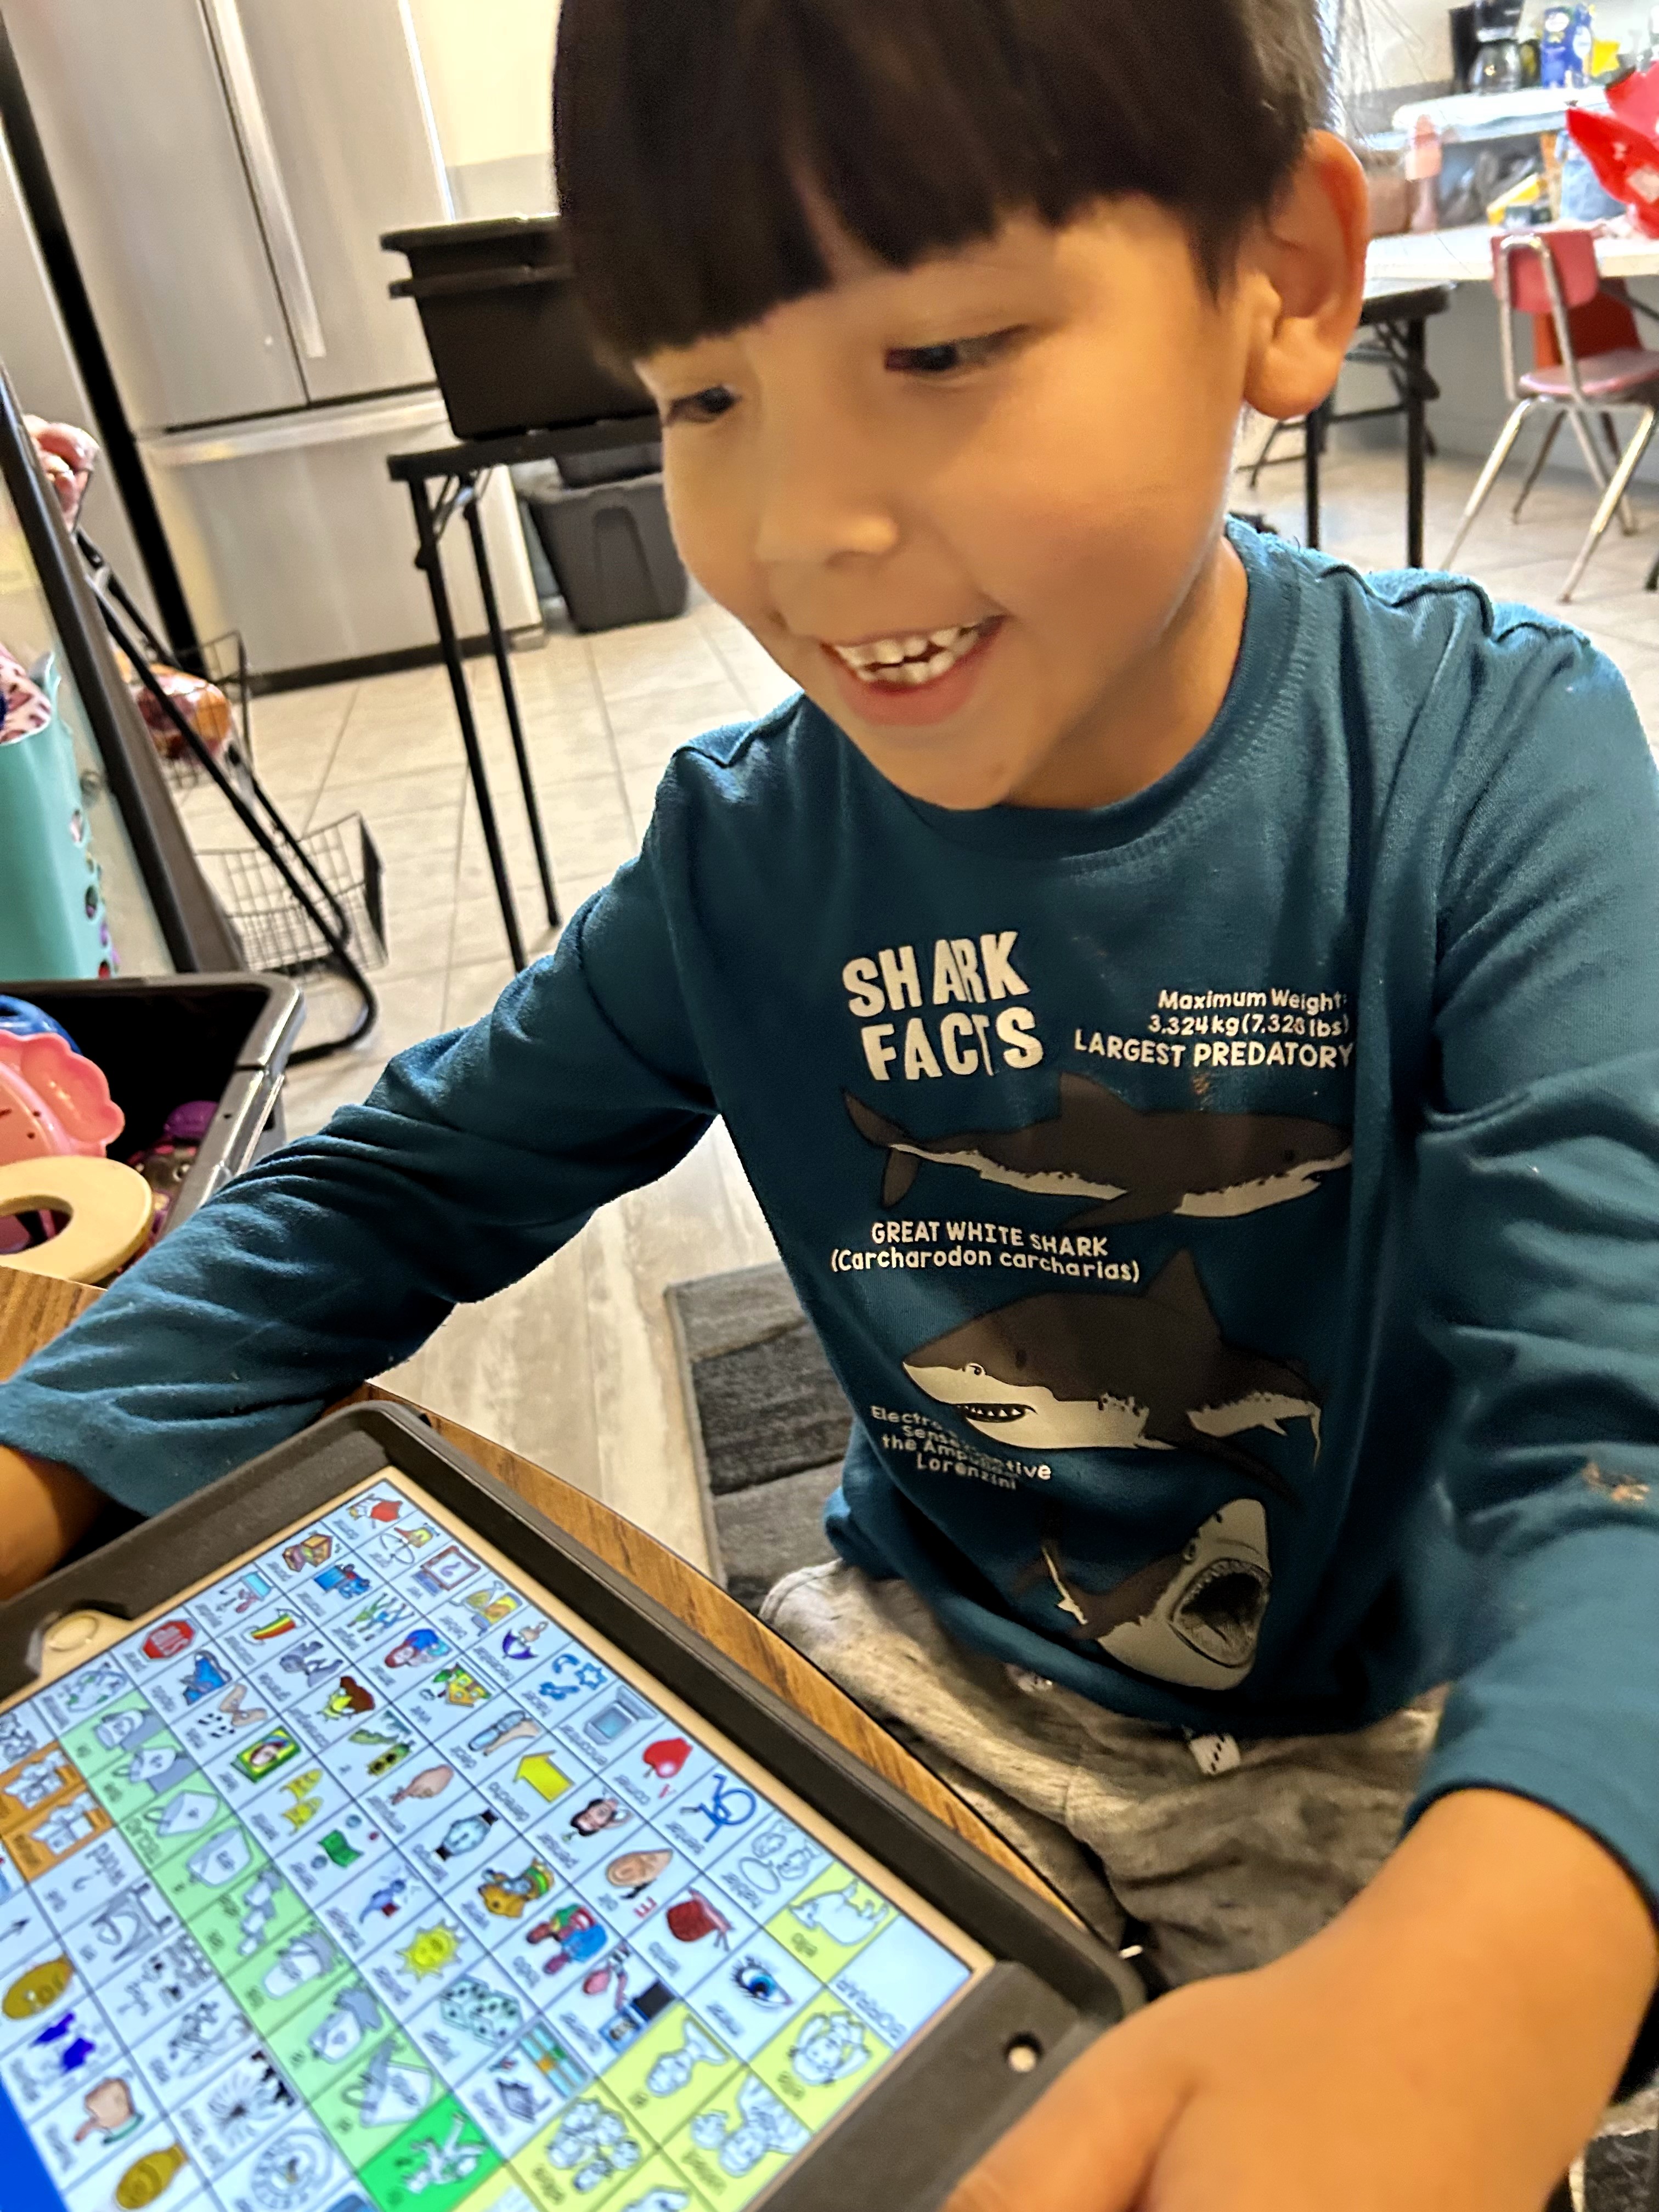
x=265 y=176
x=428 y=118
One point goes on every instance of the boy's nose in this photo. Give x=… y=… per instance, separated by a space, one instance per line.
x=814 y=504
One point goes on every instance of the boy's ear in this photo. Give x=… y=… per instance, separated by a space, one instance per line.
x=1307 y=261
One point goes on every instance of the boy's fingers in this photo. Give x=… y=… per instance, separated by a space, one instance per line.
x=44 y=1510
x=1089 y=2144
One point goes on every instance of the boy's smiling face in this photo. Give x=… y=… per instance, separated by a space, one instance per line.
x=1022 y=447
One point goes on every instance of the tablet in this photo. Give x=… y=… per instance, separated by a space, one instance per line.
x=368 y=1846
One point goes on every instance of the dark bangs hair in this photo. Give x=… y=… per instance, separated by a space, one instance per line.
x=681 y=129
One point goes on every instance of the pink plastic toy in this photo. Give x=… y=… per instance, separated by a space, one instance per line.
x=52 y=1101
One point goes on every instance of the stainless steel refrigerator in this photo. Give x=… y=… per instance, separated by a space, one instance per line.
x=40 y=359
x=225 y=170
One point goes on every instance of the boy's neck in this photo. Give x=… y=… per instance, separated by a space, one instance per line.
x=1163 y=705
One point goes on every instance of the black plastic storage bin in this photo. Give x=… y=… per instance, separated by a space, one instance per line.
x=161 y=1039
x=612 y=552
x=511 y=346
x=614 y=465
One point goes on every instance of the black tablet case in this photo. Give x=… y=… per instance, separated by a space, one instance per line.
x=1053 y=1989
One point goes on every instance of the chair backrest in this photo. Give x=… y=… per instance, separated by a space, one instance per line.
x=1545 y=274
x=1606 y=326
x=1519 y=273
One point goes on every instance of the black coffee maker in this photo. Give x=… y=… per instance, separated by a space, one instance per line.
x=1462 y=45
x=1488 y=36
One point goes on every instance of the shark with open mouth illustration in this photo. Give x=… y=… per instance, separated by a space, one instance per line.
x=1133 y=1166
x=1194 y=1617
x=1092 y=1370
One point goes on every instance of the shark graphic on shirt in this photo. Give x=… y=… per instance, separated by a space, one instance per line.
x=1194 y=1617
x=1109 y=1370
x=1133 y=1166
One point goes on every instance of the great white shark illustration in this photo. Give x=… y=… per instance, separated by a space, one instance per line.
x=1192 y=1617
x=1134 y=1165
x=1092 y=1370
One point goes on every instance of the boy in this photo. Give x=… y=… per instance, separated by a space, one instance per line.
x=1189 y=1015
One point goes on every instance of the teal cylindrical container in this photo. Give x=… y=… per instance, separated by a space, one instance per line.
x=52 y=920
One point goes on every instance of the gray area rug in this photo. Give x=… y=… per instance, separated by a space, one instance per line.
x=768 y=1422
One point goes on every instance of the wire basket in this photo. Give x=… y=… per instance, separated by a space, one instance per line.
x=341 y=874
x=224 y=662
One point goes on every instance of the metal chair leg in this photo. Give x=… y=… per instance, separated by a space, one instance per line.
x=1266 y=454
x=1537 y=468
x=1488 y=477
x=1627 y=511
x=1614 y=493
x=1583 y=430
x=1599 y=466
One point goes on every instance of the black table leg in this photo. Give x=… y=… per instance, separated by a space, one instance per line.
x=1417 y=432
x=510 y=701
x=1313 y=438
x=430 y=561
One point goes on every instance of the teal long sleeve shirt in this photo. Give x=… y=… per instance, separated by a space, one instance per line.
x=1233 y=1213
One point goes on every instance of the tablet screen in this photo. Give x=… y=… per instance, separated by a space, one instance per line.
x=364 y=1878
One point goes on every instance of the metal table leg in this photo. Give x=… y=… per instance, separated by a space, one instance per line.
x=429 y=560
x=1416 y=431
x=510 y=701
x=1313 y=438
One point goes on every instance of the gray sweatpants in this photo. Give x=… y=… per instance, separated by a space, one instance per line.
x=1230 y=1853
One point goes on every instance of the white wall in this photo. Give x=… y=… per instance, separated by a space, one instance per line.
x=490 y=65
x=1405 y=41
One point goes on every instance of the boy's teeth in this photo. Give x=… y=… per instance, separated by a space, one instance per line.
x=908 y=661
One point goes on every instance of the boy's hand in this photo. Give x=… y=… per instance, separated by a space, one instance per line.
x=1447 y=2044
x=44 y=1510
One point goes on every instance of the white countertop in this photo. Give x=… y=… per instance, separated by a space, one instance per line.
x=1463 y=256
x=1465 y=115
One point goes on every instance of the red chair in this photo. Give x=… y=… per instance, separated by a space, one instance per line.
x=1553 y=273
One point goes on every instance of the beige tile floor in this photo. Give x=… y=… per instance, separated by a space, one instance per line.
x=1364 y=521
x=575 y=1367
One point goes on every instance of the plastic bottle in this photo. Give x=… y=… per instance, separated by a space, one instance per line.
x=1581 y=44
x=1423 y=162
x=1554 y=57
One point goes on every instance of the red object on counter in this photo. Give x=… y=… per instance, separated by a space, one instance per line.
x=1622 y=147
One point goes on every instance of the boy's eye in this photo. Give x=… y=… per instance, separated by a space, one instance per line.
x=930 y=363
x=705 y=406
x=950 y=356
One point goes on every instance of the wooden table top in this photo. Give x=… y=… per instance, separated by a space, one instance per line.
x=34 y=1309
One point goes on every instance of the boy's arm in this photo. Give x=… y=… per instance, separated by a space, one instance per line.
x=44 y=1510
x=1447 y=2043
x=1450 y=2040
x=476 y=1155
x=1535 y=1263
